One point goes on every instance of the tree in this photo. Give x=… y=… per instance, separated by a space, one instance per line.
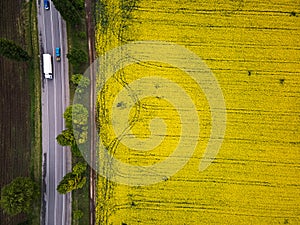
x=67 y=184
x=78 y=214
x=68 y=117
x=75 y=151
x=76 y=115
x=80 y=114
x=68 y=11
x=66 y=138
x=76 y=79
x=26 y=222
x=82 y=35
x=78 y=4
x=11 y=50
x=77 y=56
x=79 y=168
x=76 y=119
x=81 y=134
x=18 y=196
x=73 y=180
x=80 y=80
x=80 y=121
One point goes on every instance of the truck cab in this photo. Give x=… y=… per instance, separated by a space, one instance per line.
x=57 y=53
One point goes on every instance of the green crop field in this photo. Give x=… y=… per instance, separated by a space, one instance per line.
x=253 y=50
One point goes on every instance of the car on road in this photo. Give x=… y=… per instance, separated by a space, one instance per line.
x=46 y=5
x=57 y=53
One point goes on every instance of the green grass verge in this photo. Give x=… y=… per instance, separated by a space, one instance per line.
x=80 y=198
x=76 y=39
x=81 y=203
x=31 y=34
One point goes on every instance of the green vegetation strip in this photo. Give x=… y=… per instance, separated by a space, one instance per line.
x=80 y=198
x=35 y=90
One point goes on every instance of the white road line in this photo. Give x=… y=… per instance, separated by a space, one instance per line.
x=46 y=148
x=66 y=101
x=55 y=116
x=45 y=130
x=47 y=124
x=63 y=109
x=44 y=30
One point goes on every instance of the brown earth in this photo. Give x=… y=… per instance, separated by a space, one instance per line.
x=90 y=27
x=14 y=106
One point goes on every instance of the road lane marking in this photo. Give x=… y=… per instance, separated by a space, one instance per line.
x=47 y=122
x=44 y=30
x=46 y=112
x=63 y=219
x=55 y=116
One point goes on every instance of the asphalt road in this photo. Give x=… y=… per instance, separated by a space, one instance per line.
x=56 y=208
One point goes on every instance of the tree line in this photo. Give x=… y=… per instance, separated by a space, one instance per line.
x=76 y=133
x=71 y=10
x=19 y=195
x=11 y=50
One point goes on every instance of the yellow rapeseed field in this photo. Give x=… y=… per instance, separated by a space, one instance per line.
x=253 y=49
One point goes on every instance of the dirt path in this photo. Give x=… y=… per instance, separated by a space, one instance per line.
x=91 y=51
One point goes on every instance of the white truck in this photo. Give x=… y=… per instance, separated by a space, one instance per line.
x=47 y=66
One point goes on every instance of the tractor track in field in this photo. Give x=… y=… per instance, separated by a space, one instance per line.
x=252 y=48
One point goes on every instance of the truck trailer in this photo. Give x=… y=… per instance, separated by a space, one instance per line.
x=47 y=66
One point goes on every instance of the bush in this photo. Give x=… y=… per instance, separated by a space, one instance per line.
x=78 y=4
x=27 y=222
x=68 y=11
x=12 y=51
x=82 y=35
x=78 y=123
x=75 y=151
x=77 y=56
x=79 y=79
x=79 y=168
x=80 y=116
x=77 y=128
x=78 y=214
